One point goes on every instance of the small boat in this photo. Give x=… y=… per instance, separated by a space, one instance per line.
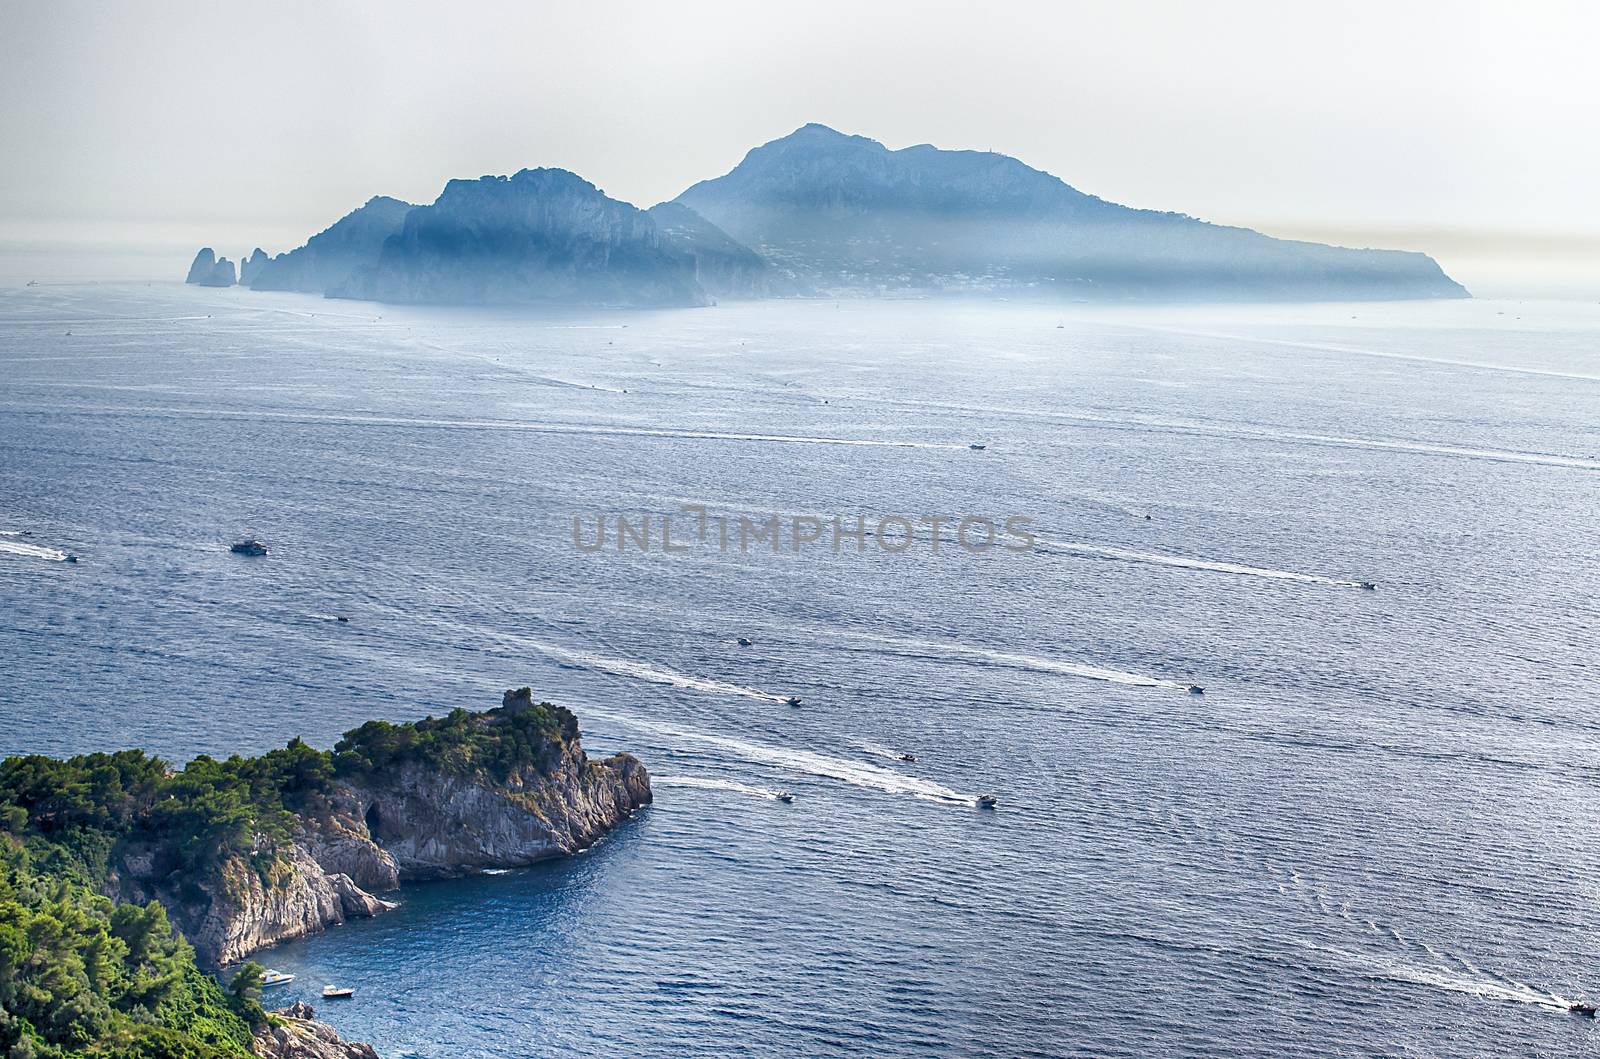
x=249 y=546
x=70 y=557
x=908 y=757
x=744 y=642
x=976 y=447
x=1196 y=689
x=792 y=700
x=784 y=796
x=1369 y=586
x=271 y=978
x=1582 y=1007
x=987 y=801
x=342 y=618
x=338 y=992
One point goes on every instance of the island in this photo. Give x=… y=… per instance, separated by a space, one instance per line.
x=816 y=213
x=127 y=885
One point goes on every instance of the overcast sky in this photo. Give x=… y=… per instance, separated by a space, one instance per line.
x=1357 y=121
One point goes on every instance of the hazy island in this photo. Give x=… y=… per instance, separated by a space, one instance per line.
x=125 y=884
x=814 y=213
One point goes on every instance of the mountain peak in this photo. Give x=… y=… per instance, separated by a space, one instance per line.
x=845 y=213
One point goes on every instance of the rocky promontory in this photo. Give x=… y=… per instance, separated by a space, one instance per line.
x=248 y=852
x=464 y=793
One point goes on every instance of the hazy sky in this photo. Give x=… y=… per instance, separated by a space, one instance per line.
x=216 y=120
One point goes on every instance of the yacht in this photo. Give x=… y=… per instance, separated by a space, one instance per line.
x=270 y=978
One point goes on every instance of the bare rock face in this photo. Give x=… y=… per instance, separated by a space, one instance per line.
x=295 y=1033
x=437 y=825
x=250 y=267
x=365 y=834
x=250 y=903
x=208 y=270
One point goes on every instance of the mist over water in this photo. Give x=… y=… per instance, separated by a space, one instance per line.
x=1368 y=837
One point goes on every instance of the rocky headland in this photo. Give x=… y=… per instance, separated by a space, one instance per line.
x=204 y=866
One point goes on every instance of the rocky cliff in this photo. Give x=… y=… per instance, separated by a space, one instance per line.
x=501 y=789
x=542 y=236
x=330 y=257
x=294 y=1033
x=847 y=215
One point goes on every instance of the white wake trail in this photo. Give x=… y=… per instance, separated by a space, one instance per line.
x=1216 y=566
x=31 y=551
x=802 y=761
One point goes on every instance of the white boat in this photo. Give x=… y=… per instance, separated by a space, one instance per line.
x=272 y=978
x=338 y=992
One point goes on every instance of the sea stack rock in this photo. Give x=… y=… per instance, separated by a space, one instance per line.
x=204 y=262
x=210 y=271
x=251 y=266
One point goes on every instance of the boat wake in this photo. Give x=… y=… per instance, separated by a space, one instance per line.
x=1155 y=558
x=712 y=784
x=1470 y=981
x=524 y=426
x=806 y=762
x=878 y=750
x=30 y=551
x=652 y=674
x=1032 y=663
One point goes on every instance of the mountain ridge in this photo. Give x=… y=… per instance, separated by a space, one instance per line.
x=817 y=212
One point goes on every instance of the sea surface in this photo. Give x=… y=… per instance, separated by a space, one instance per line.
x=1373 y=834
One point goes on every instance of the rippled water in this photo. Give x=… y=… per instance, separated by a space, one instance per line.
x=1371 y=835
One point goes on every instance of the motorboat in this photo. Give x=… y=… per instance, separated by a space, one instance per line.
x=249 y=546
x=907 y=757
x=1582 y=1007
x=338 y=992
x=987 y=801
x=784 y=796
x=70 y=557
x=270 y=978
x=792 y=700
x=1369 y=586
x=976 y=447
x=1196 y=689
x=744 y=641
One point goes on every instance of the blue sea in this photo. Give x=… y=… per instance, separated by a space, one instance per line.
x=1372 y=835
